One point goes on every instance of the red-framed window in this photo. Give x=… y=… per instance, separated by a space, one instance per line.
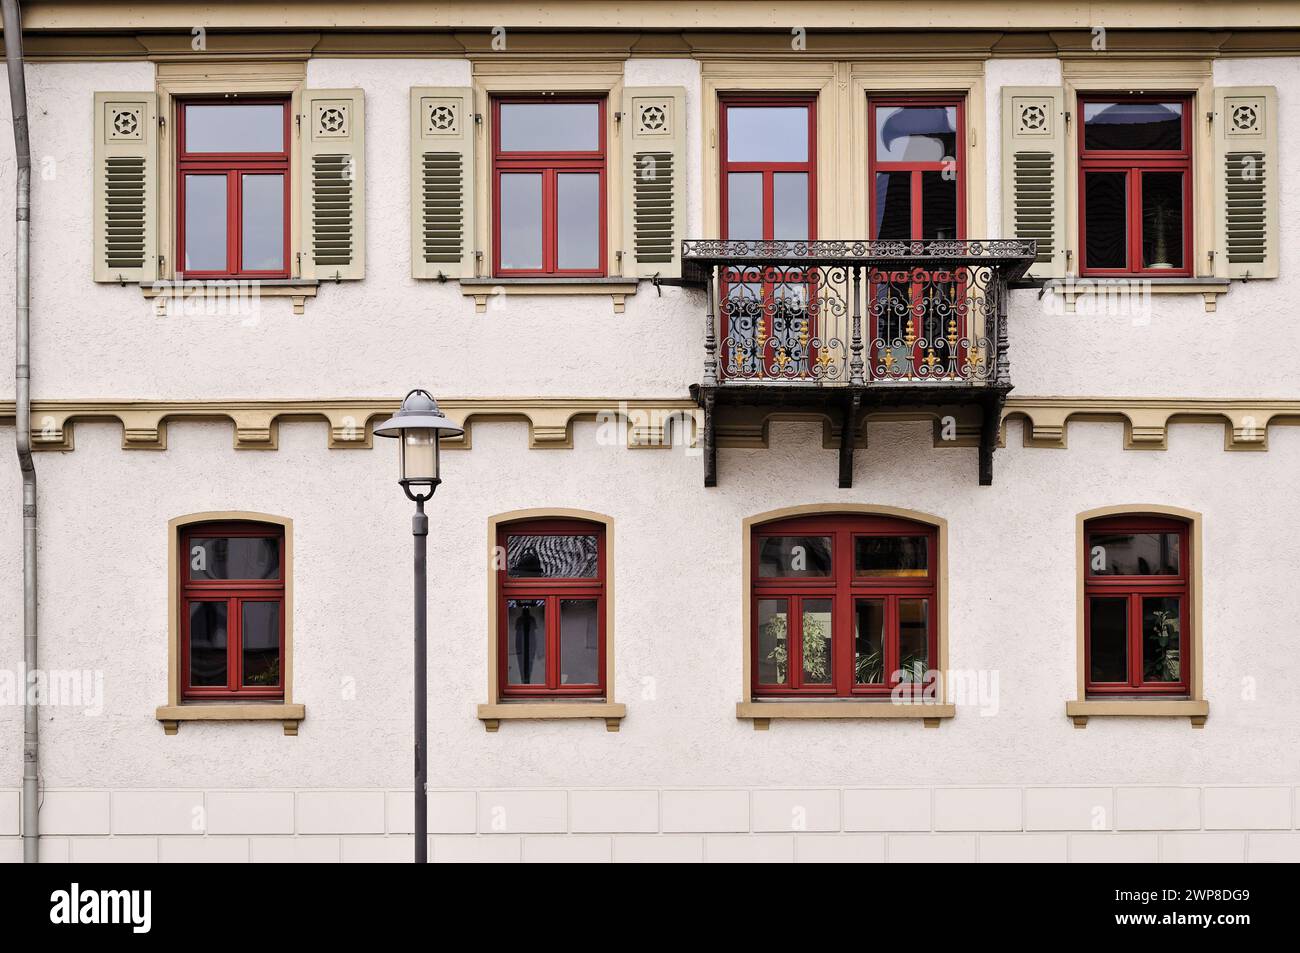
x=1135 y=185
x=843 y=606
x=549 y=209
x=551 y=609
x=916 y=155
x=768 y=188
x=232 y=188
x=1137 y=608
x=232 y=611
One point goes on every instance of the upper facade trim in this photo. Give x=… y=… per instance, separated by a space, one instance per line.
x=656 y=15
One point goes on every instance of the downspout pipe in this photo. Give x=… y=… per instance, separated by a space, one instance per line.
x=13 y=27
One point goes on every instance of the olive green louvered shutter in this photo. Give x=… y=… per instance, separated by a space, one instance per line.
x=442 y=182
x=654 y=180
x=126 y=187
x=333 y=148
x=1033 y=173
x=1246 y=195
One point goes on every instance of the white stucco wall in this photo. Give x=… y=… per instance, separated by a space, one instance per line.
x=366 y=338
x=104 y=514
x=678 y=585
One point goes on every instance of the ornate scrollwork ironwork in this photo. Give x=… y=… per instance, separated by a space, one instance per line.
x=831 y=251
x=910 y=311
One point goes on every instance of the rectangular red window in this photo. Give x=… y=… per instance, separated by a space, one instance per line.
x=768 y=192
x=1135 y=185
x=548 y=186
x=1137 y=609
x=917 y=182
x=232 y=611
x=232 y=189
x=551 y=609
x=843 y=606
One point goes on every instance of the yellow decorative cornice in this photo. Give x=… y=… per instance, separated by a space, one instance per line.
x=256 y=422
x=645 y=423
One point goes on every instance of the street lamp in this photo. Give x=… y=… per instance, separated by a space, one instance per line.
x=420 y=425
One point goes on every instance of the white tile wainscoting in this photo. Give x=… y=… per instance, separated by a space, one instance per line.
x=918 y=824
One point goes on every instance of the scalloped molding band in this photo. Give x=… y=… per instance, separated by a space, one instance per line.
x=648 y=423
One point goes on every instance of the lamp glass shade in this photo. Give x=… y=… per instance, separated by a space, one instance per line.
x=420 y=454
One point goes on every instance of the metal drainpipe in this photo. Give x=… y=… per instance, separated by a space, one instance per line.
x=23 y=415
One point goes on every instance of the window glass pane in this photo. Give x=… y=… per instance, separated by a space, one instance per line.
x=1105 y=218
x=773 y=649
x=1162 y=220
x=869 y=642
x=552 y=557
x=916 y=133
x=205 y=223
x=208 y=643
x=260 y=641
x=891 y=555
x=229 y=128
x=894 y=205
x=578 y=220
x=579 y=642
x=1108 y=640
x=234 y=557
x=521 y=220
x=263 y=223
x=767 y=133
x=1138 y=126
x=526 y=641
x=1133 y=554
x=794 y=556
x=790 y=206
x=745 y=205
x=1161 y=628
x=550 y=127
x=817 y=658
x=939 y=205
x=913 y=639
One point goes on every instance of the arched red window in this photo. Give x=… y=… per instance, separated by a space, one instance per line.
x=1137 y=606
x=551 y=608
x=842 y=605
x=232 y=611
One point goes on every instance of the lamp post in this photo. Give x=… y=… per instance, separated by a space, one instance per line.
x=420 y=425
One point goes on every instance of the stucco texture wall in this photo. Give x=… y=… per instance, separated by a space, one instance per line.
x=368 y=338
x=679 y=601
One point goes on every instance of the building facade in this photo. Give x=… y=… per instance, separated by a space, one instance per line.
x=863 y=459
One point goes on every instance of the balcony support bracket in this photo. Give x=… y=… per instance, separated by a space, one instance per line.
x=990 y=425
x=849 y=421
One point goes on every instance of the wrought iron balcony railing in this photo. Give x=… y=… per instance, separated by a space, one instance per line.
x=856 y=313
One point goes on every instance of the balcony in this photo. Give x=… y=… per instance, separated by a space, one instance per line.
x=845 y=328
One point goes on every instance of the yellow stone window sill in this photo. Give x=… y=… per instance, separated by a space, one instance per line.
x=1073 y=288
x=231 y=294
x=492 y=715
x=763 y=712
x=1195 y=710
x=483 y=289
x=289 y=714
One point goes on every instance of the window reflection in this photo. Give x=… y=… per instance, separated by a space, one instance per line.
x=916 y=133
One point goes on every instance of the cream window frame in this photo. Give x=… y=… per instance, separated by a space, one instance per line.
x=1110 y=75
x=497 y=710
x=176 y=81
x=176 y=711
x=841 y=88
x=1195 y=708
x=762 y=711
x=817 y=78
x=496 y=76
x=965 y=77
